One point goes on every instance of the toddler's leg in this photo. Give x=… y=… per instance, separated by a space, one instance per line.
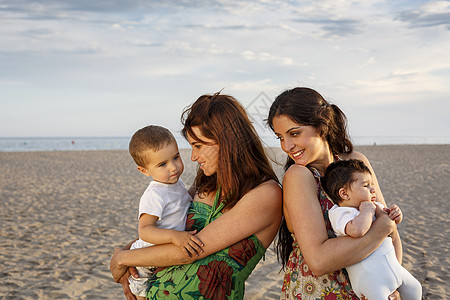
x=411 y=289
x=138 y=286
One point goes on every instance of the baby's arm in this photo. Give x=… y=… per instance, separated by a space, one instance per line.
x=149 y=232
x=359 y=226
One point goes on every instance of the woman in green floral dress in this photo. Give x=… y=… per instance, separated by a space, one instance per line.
x=236 y=209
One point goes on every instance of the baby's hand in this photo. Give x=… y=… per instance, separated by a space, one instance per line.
x=395 y=213
x=188 y=242
x=367 y=206
x=380 y=209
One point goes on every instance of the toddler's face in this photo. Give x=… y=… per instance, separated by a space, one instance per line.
x=362 y=189
x=165 y=165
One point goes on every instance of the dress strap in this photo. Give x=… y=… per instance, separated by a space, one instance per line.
x=216 y=208
x=216 y=199
x=316 y=172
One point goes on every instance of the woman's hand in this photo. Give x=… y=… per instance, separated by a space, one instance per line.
x=126 y=286
x=386 y=222
x=117 y=271
x=394 y=296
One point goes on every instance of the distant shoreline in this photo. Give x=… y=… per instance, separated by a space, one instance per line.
x=32 y=144
x=187 y=149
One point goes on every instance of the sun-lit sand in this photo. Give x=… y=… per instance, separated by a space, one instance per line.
x=63 y=213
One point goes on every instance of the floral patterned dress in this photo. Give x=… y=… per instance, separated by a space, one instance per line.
x=220 y=275
x=300 y=282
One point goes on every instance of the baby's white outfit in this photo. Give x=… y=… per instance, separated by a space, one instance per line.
x=170 y=203
x=379 y=274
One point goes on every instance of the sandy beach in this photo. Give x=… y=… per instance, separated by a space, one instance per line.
x=63 y=213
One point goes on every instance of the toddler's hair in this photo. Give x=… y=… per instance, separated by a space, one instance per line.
x=339 y=174
x=151 y=137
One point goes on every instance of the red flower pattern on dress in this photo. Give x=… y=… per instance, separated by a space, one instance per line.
x=190 y=221
x=242 y=251
x=306 y=271
x=215 y=280
x=330 y=296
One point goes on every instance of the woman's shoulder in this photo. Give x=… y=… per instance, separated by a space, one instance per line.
x=297 y=172
x=353 y=155
x=299 y=177
x=269 y=186
x=268 y=193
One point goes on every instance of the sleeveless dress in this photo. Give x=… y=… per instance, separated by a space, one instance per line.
x=299 y=282
x=219 y=276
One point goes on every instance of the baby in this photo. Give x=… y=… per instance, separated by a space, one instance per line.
x=164 y=205
x=349 y=184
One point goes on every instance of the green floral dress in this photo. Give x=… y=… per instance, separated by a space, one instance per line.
x=220 y=275
x=300 y=282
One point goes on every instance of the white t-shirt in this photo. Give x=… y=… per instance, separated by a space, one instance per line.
x=169 y=202
x=340 y=216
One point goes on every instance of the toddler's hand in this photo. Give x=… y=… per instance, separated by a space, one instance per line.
x=187 y=241
x=395 y=213
x=367 y=206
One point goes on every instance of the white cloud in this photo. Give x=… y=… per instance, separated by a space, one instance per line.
x=431 y=13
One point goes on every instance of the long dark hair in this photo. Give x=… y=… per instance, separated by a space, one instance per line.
x=307 y=107
x=242 y=163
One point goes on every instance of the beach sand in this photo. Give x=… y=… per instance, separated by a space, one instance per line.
x=63 y=213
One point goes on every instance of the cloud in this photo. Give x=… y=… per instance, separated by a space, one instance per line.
x=368 y=62
x=430 y=14
x=264 y=56
x=403 y=82
x=335 y=28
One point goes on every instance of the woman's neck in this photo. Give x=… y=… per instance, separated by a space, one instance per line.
x=323 y=162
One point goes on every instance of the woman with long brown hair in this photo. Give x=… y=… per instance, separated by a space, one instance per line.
x=236 y=209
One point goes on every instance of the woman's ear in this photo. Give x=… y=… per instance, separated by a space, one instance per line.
x=343 y=194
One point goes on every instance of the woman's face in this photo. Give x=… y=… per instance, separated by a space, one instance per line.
x=204 y=152
x=302 y=143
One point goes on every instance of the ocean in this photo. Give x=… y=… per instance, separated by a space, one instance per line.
x=23 y=144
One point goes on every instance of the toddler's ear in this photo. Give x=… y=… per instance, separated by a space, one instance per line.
x=343 y=194
x=143 y=171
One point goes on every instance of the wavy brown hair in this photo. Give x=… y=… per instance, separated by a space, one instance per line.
x=242 y=163
x=307 y=107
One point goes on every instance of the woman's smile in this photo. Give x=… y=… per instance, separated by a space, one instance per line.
x=297 y=154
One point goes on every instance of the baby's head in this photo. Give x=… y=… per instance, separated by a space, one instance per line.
x=348 y=183
x=155 y=151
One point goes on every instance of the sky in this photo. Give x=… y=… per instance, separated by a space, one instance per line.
x=109 y=67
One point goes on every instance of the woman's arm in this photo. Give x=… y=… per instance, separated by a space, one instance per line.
x=151 y=233
x=324 y=255
x=258 y=212
x=397 y=245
